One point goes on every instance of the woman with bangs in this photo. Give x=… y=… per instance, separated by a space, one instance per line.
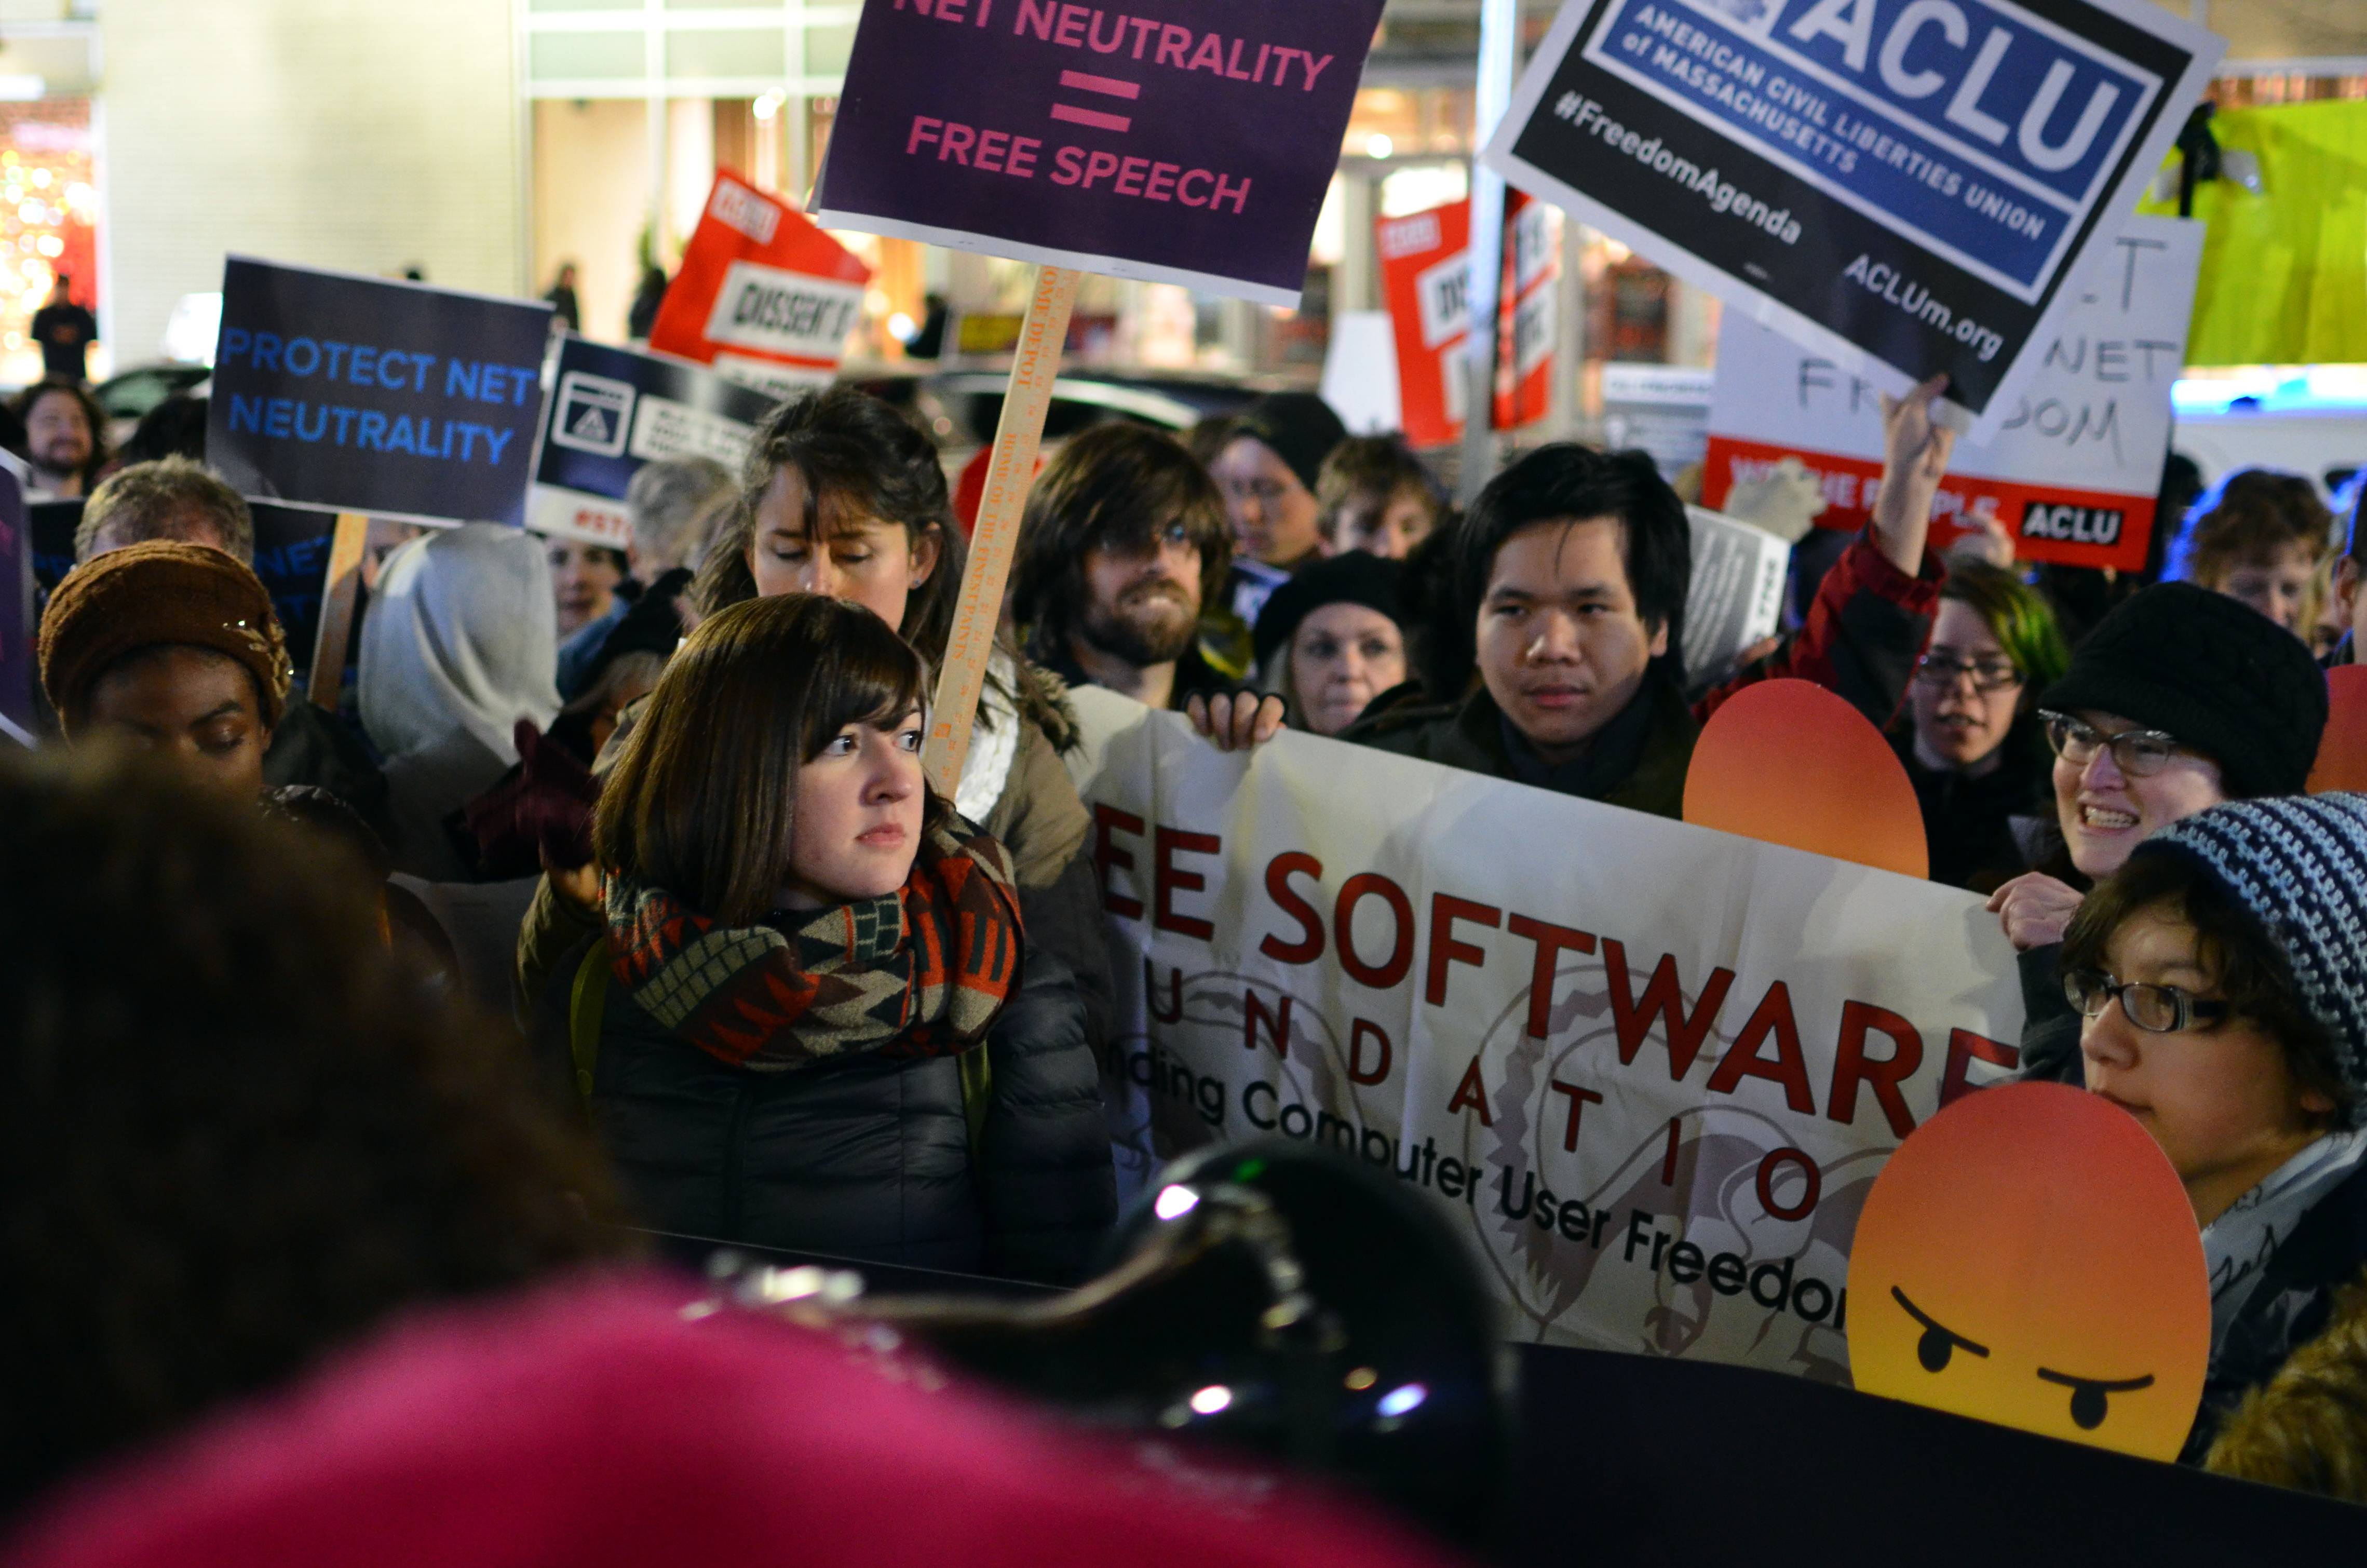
x=811 y=1021
x=1973 y=746
x=843 y=498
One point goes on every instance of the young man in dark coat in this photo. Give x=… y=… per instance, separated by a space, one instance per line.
x=1573 y=569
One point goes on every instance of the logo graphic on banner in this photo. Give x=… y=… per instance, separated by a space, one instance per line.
x=763 y=295
x=1651 y=1070
x=1137 y=146
x=1905 y=184
x=617 y=409
x=2076 y=463
x=592 y=414
x=363 y=395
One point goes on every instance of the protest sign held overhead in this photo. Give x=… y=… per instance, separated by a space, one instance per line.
x=1192 y=146
x=1909 y=186
x=363 y=395
x=1424 y=276
x=1426 y=265
x=2074 y=468
x=1736 y=598
x=1649 y=1069
x=762 y=294
x=612 y=410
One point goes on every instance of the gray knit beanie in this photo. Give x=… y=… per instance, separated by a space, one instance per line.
x=2299 y=865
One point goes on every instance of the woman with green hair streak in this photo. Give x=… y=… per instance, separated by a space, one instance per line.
x=1973 y=746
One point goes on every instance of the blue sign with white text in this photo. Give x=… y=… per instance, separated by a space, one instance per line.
x=357 y=395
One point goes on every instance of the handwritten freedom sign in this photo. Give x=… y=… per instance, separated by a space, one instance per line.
x=358 y=394
x=1192 y=146
x=2076 y=465
x=1906 y=185
x=1652 y=1069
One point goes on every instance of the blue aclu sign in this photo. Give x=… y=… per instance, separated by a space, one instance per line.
x=358 y=394
x=1984 y=131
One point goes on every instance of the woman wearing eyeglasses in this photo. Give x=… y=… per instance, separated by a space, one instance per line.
x=2178 y=700
x=1973 y=746
x=2221 y=977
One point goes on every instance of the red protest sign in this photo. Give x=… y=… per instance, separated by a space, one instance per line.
x=1525 y=317
x=764 y=295
x=1423 y=277
x=1424 y=263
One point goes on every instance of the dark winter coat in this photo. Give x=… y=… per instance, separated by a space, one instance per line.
x=869 y=1157
x=2289 y=1307
x=1639 y=760
x=1860 y=640
x=1968 y=822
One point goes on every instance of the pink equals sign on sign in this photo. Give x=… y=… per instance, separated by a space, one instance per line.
x=1085 y=82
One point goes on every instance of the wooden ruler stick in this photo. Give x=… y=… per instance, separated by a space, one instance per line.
x=339 y=594
x=1011 y=472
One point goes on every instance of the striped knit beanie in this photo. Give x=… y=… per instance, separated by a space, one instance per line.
x=2299 y=865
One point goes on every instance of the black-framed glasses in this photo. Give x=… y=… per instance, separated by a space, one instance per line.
x=2156 y=1009
x=1992 y=674
x=2140 y=753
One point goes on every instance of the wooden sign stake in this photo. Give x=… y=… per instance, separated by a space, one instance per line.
x=1011 y=470
x=339 y=593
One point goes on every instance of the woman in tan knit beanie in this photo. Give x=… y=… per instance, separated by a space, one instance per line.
x=172 y=647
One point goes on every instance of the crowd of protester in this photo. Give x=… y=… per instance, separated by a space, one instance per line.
x=769 y=988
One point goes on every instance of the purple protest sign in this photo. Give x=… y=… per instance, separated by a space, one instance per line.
x=1191 y=147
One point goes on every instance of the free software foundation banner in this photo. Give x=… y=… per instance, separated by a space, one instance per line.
x=1192 y=146
x=1650 y=1070
x=1911 y=185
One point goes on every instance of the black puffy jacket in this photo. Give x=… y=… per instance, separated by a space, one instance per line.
x=867 y=1157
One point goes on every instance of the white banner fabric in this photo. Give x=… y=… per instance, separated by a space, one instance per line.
x=1651 y=1068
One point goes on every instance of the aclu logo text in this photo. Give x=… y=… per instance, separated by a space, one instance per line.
x=2071 y=524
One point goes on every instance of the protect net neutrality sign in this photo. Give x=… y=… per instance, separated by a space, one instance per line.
x=1192 y=146
x=1907 y=184
x=613 y=410
x=1650 y=1070
x=358 y=394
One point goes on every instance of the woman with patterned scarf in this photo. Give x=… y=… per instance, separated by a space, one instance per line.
x=820 y=1025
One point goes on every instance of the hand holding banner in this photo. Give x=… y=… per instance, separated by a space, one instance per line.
x=1650 y=1069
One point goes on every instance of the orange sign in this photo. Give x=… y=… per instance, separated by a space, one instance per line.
x=2029 y=1257
x=1787 y=762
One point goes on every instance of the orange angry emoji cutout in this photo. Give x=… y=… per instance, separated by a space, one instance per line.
x=2029 y=1257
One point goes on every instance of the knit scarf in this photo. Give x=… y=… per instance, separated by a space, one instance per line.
x=2236 y=1246
x=921 y=971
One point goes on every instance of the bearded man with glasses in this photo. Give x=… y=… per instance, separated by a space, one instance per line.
x=2179 y=700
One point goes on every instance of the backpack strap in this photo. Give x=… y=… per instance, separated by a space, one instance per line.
x=587 y=1003
x=977 y=1096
